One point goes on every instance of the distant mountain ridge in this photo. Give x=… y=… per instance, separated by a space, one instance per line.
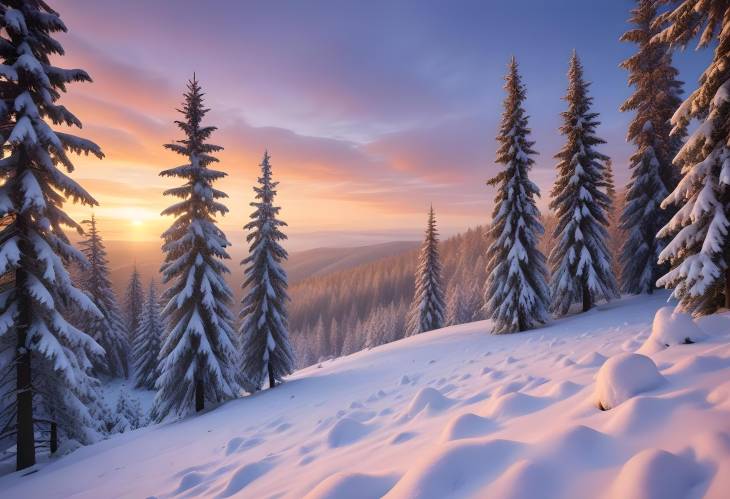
x=321 y=261
x=123 y=255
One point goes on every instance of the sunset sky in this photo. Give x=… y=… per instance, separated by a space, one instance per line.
x=370 y=110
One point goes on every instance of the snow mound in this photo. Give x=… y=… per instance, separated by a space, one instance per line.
x=714 y=324
x=641 y=415
x=515 y=404
x=624 y=376
x=566 y=362
x=523 y=480
x=698 y=364
x=563 y=390
x=720 y=396
x=403 y=437
x=428 y=400
x=353 y=486
x=245 y=475
x=468 y=425
x=239 y=444
x=579 y=445
x=671 y=328
x=657 y=474
x=347 y=431
x=593 y=359
x=511 y=387
x=453 y=470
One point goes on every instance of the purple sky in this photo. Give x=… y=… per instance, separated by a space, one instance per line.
x=371 y=110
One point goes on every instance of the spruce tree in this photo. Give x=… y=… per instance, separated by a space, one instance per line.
x=147 y=342
x=428 y=309
x=267 y=352
x=336 y=334
x=699 y=251
x=44 y=359
x=128 y=413
x=319 y=337
x=516 y=295
x=197 y=360
x=109 y=330
x=653 y=177
x=580 y=260
x=610 y=184
x=133 y=304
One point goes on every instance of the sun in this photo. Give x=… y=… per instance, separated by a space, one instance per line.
x=136 y=222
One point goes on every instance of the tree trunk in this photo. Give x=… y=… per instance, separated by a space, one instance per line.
x=586 y=298
x=272 y=380
x=25 y=456
x=54 y=437
x=199 y=395
x=727 y=288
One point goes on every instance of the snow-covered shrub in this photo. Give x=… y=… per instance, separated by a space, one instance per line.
x=671 y=327
x=624 y=376
x=129 y=412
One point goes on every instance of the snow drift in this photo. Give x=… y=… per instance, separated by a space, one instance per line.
x=508 y=416
x=671 y=327
x=623 y=376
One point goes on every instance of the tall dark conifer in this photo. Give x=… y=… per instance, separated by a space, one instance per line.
x=133 y=304
x=580 y=260
x=267 y=352
x=197 y=361
x=699 y=251
x=43 y=358
x=428 y=310
x=109 y=330
x=516 y=292
x=653 y=177
x=610 y=183
x=147 y=342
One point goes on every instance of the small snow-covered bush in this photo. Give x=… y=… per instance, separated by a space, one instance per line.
x=129 y=412
x=624 y=376
x=671 y=327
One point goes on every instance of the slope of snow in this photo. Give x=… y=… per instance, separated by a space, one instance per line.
x=452 y=413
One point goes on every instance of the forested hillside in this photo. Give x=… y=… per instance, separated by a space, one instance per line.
x=346 y=311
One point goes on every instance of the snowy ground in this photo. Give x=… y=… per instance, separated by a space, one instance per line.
x=453 y=413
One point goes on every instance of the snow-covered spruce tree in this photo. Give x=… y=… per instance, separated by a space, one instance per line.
x=128 y=414
x=266 y=350
x=699 y=251
x=580 y=261
x=147 y=342
x=319 y=337
x=197 y=360
x=109 y=330
x=336 y=334
x=133 y=304
x=516 y=297
x=464 y=303
x=428 y=309
x=610 y=183
x=653 y=177
x=43 y=358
